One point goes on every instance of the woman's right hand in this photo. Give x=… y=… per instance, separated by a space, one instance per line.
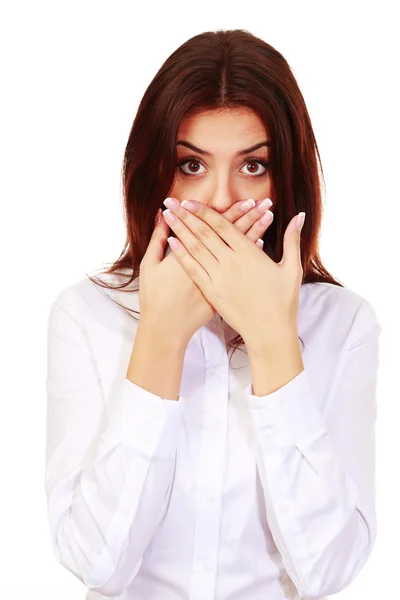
x=169 y=299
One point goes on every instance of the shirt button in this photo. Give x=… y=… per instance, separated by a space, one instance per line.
x=285 y=508
x=207 y=567
x=211 y=499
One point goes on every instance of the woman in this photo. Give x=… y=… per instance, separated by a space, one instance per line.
x=170 y=474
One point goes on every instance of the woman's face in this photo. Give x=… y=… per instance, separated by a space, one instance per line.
x=226 y=175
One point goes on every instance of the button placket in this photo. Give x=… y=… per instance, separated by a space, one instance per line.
x=211 y=468
x=212 y=463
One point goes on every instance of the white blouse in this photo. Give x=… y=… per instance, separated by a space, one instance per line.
x=222 y=494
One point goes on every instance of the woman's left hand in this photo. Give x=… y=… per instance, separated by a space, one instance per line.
x=256 y=296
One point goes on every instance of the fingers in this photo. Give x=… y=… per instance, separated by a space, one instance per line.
x=249 y=221
x=156 y=248
x=238 y=209
x=245 y=219
x=260 y=225
x=260 y=243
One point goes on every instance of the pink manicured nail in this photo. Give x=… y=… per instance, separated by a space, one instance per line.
x=173 y=243
x=266 y=218
x=300 y=220
x=264 y=204
x=171 y=203
x=169 y=216
x=188 y=205
x=246 y=204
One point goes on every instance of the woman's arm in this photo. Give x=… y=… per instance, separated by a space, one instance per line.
x=317 y=472
x=108 y=467
x=156 y=362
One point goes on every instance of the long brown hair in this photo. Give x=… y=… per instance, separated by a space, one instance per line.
x=217 y=70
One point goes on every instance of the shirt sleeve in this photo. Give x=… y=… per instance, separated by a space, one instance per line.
x=318 y=471
x=109 y=468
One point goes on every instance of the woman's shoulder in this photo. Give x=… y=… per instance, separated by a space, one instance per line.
x=332 y=295
x=339 y=311
x=97 y=293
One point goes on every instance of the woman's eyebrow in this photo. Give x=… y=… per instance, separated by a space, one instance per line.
x=240 y=153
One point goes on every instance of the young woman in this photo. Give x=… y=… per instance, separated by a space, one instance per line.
x=173 y=472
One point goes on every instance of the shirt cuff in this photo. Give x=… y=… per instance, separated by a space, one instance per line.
x=289 y=415
x=138 y=418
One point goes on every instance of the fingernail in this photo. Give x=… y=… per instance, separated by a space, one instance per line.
x=266 y=218
x=300 y=220
x=264 y=204
x=169 y=216
x=173 y=243
x=171 y=203
x=246 y=204
x=189 y=205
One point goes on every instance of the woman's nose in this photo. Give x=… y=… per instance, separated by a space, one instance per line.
x=221 y=203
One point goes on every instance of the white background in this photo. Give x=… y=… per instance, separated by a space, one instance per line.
x=72 y=76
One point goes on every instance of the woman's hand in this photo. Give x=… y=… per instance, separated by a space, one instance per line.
x=170 y=302
x=255 y=296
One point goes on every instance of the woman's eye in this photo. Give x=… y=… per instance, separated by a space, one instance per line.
x=194 y=161
x=191 y=162
x=261 y=163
